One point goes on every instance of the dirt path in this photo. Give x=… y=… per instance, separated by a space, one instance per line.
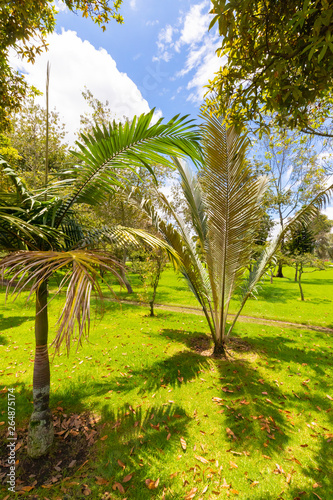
x=243 y=319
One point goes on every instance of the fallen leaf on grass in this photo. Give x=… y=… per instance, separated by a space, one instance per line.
x=118 y=486
x=86 y=491
x=127 y=478
x=225 y=484
x=288 y=478
x=317 y=485
x=278 y=469
x=201 y=459
x=104 y=438
x=152 y=485
x=191 y=494
x=183 y=443
x=101 y=480
x=254 y=483
x=205 y=489
x=233 y=465
x=231 y=434
x=329 y=397
x=121 y=464
x=73 y=462
x=27 y=488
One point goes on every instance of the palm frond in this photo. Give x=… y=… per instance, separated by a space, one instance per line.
x=31 y=269
x=193 y=193
x=107 y=152
x=232 y=199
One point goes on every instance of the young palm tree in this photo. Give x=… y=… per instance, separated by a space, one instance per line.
x=103 y=158
x=223 y=201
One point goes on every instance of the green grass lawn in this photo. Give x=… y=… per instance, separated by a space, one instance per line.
x=258 y=426
x=280 y=300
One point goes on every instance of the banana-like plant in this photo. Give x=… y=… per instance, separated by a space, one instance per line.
x=102 y=160
x=224 y=203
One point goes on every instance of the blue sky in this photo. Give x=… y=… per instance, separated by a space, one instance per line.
x=161 y=57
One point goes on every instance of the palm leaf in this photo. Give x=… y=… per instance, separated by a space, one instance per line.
x=104 y=155
x=31 y=269
x=232 y=199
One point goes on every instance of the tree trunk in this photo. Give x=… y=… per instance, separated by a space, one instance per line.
x=220 y=349
x=123 y=275
x=40 y=433
x=300 y=284
x=279 y=273
x=151 y=303
x=296 y=272
x=271 y=278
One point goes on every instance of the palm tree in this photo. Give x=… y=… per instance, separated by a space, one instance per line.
x=223 y=201
x=103 y=158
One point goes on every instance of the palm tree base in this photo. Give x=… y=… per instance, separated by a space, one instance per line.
x=220 y=349
x=40 y=433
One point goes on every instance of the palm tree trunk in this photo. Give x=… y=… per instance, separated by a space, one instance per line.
x=220 y=348
x=40 y=434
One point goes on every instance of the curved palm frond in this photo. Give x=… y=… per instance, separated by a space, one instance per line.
x=232 y=199
x=193 y=194
x=122 y=236
x=81 y=278
x=107 y=152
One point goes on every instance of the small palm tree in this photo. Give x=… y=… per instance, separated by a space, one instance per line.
x=103 y=158
x=223 y=201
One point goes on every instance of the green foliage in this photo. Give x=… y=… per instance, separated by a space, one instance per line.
x=149 y=268
x=300 y=242
x=24 y=27
x=276 y=60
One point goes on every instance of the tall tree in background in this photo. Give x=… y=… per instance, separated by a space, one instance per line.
x=276 y=60
x=295 y=170
x=24 y=27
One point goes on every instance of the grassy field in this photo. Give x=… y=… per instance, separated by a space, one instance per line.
x=280 y=300
x=258 y=426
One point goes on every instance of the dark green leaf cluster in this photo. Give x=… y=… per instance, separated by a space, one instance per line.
x=277 y=59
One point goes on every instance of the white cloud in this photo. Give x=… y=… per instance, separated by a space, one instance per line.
x=329 y=212
x=152 y=23
x=165 y=43
x=133 y=4
x=197 y=44
x=75 y=64
x=195 y=25
x=210 y=65
x=60 y=6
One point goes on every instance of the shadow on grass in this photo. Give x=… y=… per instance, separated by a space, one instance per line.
x=13 y=321
x=252 y=413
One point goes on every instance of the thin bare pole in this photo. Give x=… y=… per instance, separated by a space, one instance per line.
x=47 y=128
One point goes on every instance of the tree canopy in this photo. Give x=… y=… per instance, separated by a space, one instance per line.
x=278 y=60
x=24 y=27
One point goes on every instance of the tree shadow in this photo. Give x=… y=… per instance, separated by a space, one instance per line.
x=131 y=441
x=13 y=321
